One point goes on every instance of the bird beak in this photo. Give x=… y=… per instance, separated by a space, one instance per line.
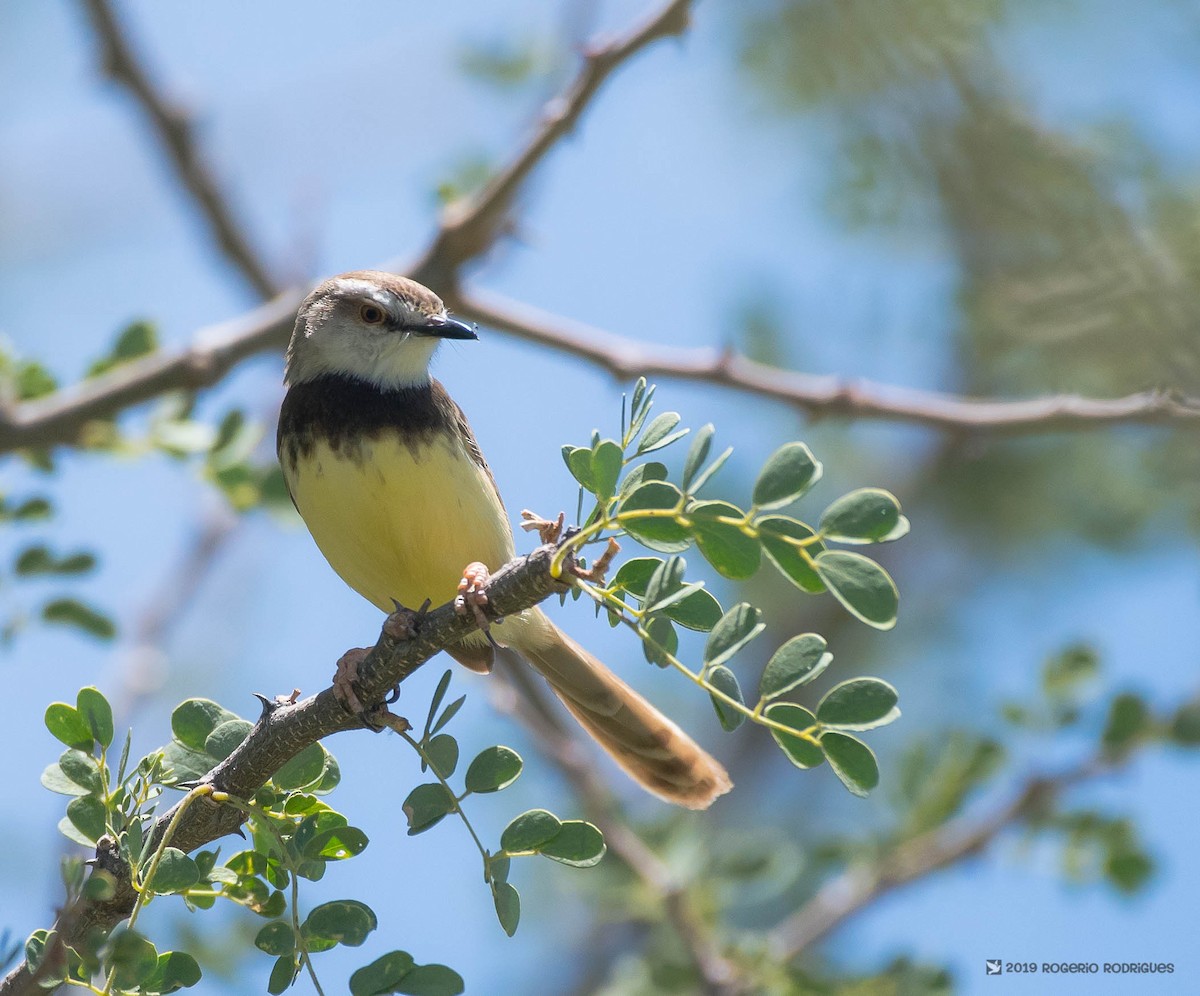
x=449 y=328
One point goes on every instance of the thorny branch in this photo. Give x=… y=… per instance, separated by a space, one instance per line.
x=285 y=729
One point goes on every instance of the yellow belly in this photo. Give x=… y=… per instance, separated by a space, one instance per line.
x=400 y=524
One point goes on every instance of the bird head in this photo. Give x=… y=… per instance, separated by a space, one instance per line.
x=375 y=326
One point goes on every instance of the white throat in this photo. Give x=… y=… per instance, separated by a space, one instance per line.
x=387 y=361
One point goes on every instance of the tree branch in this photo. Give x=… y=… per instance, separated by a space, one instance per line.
x=284 y=730
x=859 y=886
x=472 y=226
x=821 y=396
x=177 y=135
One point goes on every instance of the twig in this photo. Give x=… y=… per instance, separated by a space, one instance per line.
x=721 y=977
x=176 y=132
x=285 y=729
x=471 y=227
x=821 y=396
x=859 y=886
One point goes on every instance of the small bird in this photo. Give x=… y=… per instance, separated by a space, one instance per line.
x=386 y=473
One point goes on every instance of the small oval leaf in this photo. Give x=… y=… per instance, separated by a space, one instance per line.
x=852 y=761
x=868 y=515
x=789 y=472
x=724 y=680
x=802 y=753
x=861 y=585
x=859 y=704
x=493 y=769
x=798 y=661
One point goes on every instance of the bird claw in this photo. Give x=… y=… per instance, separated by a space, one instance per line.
x=346 y=677
x=472 y=595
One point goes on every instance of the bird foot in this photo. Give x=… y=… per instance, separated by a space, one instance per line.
x=472 y=598
x=346 y=677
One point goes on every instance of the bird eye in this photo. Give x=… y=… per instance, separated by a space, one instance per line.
x=372 y=314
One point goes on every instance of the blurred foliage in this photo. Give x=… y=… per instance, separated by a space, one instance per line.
x=1077 y=255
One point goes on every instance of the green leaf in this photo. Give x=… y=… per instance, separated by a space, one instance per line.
x=137 y=339
x=34 y=381
x=493 y=769
x=697 y=610
x=658 y=433
x=859 y=704
x=861 y=585
x=442 y=752
x=1128 y=721
x=435 y=703
x=303 y=770
x=31 y=510
x=697 y=453
x=802 y=753
x=336 y=844
x=81 y=768
x=664 y=534
x=194 y=719
x=852 y=761
x=448 y=714
x=426 y=805
x=529 y=831
x=176 y=872
x=666 y=580
x=1063 y=673
x=38 y=559
x=798 y=661
x=652 y=470
x=283 y=974
x=382 y=975
x=185 y=764
x=579 y=463
x=175 y=970
x=68 y=726
x=725 y=545
x=276 y=938
x=97 y=714
x=607 y=459
x=577 y=843
x=431 y=980
x=57 y=780
x=737 y=627
x=343 y=921
x=634 y=575
x=774 y=531
x=724 y=680
x=131 y=957
x=706 y=474
x=227 y=738
x=788 y=473
x=868 y=515
x=72 y=612
x=1185 y=725
x=508 y=906
x=88 y=815
x=663 y=641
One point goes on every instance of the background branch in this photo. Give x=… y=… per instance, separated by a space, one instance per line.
x=859 y=886
x=531 y=706
x=177 y=136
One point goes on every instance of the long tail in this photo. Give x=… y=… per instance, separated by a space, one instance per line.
x=651 y=748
